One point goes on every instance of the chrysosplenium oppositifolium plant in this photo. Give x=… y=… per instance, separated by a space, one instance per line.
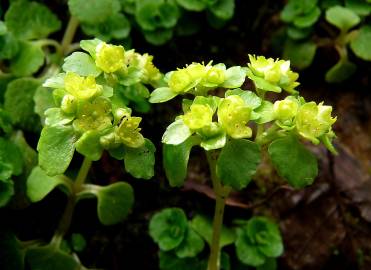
x=90 y=115
x=347 y=30
x=223 y=126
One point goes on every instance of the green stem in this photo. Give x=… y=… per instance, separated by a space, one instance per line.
x=72 y=25
x=65 y=222
x=221 y=193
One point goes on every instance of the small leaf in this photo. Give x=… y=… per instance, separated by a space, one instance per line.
x=223 y=9
x=169 y=261
x=296 y=33
x=308 y=19
x=168 y=228
x=293 y=161
x=300 y=54
x=78 y=242
x=139 y=162
x=175 y=160
x=48 y=257
x=11 y=161
x=162 y=94
x=82 y=64
x=234 y=77
x=192 y=5
x=20 y=105
x=204 y=227
x=237 y=163
x=341 y=71
x=176 y=133
x=362 y=43
x=93 y=11
x=264 y=112
x=30 y=20
x=114 y=202
x=28 y=60
x=216 y=142
x=39 y=184
x=6 y=193
x=159 y=36
x=56 y=148
x=43 y=99
x=361 y=7
x=89 y=145
x=191 y=245
x=341 y=17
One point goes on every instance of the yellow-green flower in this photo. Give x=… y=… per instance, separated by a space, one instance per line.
x=129 y=132
x=312 y=121
x=81 y=87
x=233 y=115
x=93 y=115
x=109 y=58
x=274 y=72
x=180 y=81
x=198 y=116
x=215 y=76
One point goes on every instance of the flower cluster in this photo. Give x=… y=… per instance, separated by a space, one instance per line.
x=90 y=98
x=272 y=75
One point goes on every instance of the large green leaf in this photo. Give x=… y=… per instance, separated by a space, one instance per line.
x=39 y=184
x=139 y=162
x=237 y=163
x=176 y=133
x=191 y=245
x=11 y=161
x=29 y=59
x=293 y=161
x=175 y=160
x=82 y=64
x=49 y=257
x=168 y=228
x=341 y=17
x=300 y=54
x=30 y=20
x=341 y=71
x=93 y=11
x=56 y=148
x=20 y=105
x=362 y=43
x=114 y=202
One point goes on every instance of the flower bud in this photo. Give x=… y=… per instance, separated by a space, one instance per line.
x=215 y=76
x=68 y=104
x=180 y=80
x=285 y=109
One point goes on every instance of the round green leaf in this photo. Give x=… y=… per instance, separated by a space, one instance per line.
x=30 y=20
x=300 y=54
x=362 y=43
x=6 y=192
x=162 y=94
x=56 y=148
x=159 y=36
x=293 y=161
x=93 y=11
x=192 y=5
x=48 y=257
x=20 y=105
x=168 y=228
x=223 y=9
x=361 y=7
x=308 y=19
x=237 y=163
x=114 y=202
x=341 y=17
x=29 y=59
x=248 y=252
x=82 y=64
x=341 y=71
x=191 y=245
x=139 y=162
x=39 y=184
x=11 y=160
x=176 y=133
x=175 y=160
